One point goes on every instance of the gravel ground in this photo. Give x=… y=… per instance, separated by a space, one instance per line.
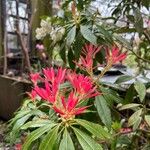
x=4 y=145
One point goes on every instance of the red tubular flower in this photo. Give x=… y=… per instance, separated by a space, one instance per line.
x=18 y=147
x=35 y=77
x=52 y=81
x=82 y=85
x=69 y=108
x=51 y=75
x=32 y=94
x=89 y=52
x=114 y=56
x=46 y=93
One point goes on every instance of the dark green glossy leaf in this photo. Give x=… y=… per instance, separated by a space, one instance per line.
x=147 y=119
x=77 y=46
x=63 y=52
x=129 y=95
x=96 y=129
x=111 y=95
x=105 y=34
x=21 y=121
x=138 y=21
x=66 y=142
x=123 y=78
x=36 y=134
x=103 y=111
x=49 y=139
x=137 y=123
x=35 y=123
x=123 y=140
x=19 y=115
x=88 y=35
x=71 y=36
x=141 y=90
x=86 y=141
x=129 y=106
x=134 y=117
x=71 y=57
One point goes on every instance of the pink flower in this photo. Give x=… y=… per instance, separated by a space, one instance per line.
x=114 y=56
x=125 y=130
x=69 y=108
x=40 y=47
x=32 y=94
x=58 y=2
x=82 y=85
x=35 y=77
x=52 y=80
x=46 y=93
x=86 y=61
x=53 y=76
x=83 y=89
x=18 y=146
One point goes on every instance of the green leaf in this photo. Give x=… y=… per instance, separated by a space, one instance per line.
x=71 y=57
x=17 y=125
x=103 y=111
x=36 y=134
x=96 y=129
x=147 y=119
x=66 y=142
x=125 y=29
x=88 y=35
x=141 y=90
x=49 y=139
x=134 y=117
x=77 y=46
x=19 y=115
x=35 y=124
x=123 y=140
x=62 y=52
x=129 y=106
x=21 y=121
x=129 y=94
x=123 y=41
x=137 y=123
x=105 y=33
x=111 y=95
x=138 y=21
x=71 y=35
x=123 y=78
x=86 y=141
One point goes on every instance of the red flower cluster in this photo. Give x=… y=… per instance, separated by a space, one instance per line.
x=88 y=55
x=86 y=61
x=51 y=92
x=35 y=77
x=69 y=108
x=83 y=87
x=113 y=56
x=52 y=82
